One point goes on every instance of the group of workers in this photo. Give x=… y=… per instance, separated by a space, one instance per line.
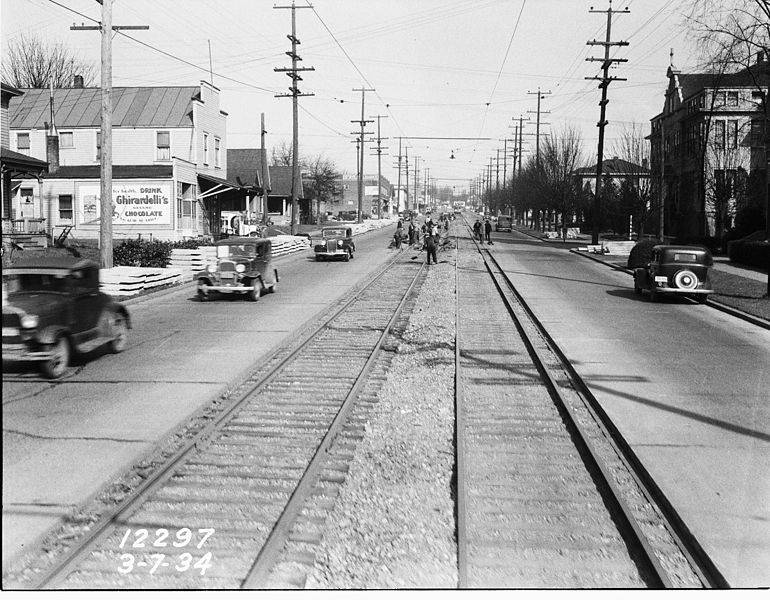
x=429 y=234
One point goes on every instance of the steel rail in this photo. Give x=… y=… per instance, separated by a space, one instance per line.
x=461 y=473
x=621 y=509
x=271 y=549
x=59 y=569
x=688 y=544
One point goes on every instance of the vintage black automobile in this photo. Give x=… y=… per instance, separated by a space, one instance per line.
x=673 y=269
x=53 y=309
x=243 y=266
x=336 y=242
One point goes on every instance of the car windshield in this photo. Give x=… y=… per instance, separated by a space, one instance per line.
x=36 y=282
x=235 y=250
x=333 y=233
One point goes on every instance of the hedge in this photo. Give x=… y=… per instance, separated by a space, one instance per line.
x=750 y=252
x=148 y=253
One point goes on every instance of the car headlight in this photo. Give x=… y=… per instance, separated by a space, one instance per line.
x=29 y=321
x=210 y=268
x=240 y=268
x=339 y=243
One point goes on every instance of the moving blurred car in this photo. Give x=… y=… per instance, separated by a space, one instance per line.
x=244 y=266
x=54 y=309
x=336 y=242
x=673 y=269
x=504 y=223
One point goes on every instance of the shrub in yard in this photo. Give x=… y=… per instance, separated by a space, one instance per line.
x=755 y=253
x=641 y=253
x=142 y=253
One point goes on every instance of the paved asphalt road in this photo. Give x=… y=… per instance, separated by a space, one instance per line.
x=685 y=383
x=62 y=441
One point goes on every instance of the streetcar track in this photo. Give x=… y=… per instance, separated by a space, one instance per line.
x=248 y=500
x=511 y=506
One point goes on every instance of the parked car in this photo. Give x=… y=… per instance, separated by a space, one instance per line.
x=335 y=242
x=673 y=269
x=53 y=309
x=504 y=223
x=244 y=266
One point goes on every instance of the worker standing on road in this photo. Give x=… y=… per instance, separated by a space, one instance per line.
x=398 y=234
x=488 y=231
x=431 y=241
x=412 y=231
x=477 y=231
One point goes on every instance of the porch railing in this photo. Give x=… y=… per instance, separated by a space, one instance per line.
x=11 y=226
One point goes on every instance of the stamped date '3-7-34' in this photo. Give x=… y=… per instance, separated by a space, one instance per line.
x=154 y=550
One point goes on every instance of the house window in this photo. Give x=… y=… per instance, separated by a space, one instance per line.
x=22 y=143
x=27 y=195
x=720 y=98
x=205 y=148
x=65 y=207
x=732 y=98
x=719 y=134
x=163 y=145
x=217 y=150
x=98 y=145
x=186 y=203
x=66 y=139
x=732 y=134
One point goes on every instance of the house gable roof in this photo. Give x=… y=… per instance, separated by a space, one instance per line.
x=81 y=107
x=244 y=165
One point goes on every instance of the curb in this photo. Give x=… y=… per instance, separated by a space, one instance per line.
x=753 y=319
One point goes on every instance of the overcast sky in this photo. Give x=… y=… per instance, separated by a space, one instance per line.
x=440 y=68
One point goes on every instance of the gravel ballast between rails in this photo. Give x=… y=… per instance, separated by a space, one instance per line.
x=393 y=523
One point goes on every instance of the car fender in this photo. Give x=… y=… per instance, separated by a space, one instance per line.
x=123 y=312
x=52 y=333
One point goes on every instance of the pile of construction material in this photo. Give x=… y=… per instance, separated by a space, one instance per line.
x=190 y=262
x=287 y=244
x=129 y=281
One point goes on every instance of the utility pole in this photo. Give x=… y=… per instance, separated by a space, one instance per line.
x=105 y=172
x=406 y=158
x=398 y=187
x=540 y=96
x=416 y=183
x=605 y=81
x=361 y=122
x=296 y=179
x=265 y=176
x=380 y=148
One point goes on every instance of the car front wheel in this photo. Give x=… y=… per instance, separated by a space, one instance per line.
x=119 y=333
x=54 y=367
x=254 y=293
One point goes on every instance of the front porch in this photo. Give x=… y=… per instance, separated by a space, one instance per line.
x=27 y=233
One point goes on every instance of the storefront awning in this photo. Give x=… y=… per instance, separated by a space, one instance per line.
x=217 y=186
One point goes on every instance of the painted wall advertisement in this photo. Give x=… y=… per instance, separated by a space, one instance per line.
x=144 y=203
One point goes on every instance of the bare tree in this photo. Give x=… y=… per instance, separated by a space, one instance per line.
x=636 y=190
x=282 y=155
x=31 y=62
x=322 y=176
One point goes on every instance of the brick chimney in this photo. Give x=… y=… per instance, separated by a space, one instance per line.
x=77 y=82
x=52 y=149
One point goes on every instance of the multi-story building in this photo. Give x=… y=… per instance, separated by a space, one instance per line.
x=12 y=165
x=707 y=146
x=169 y=160
x=347 y=202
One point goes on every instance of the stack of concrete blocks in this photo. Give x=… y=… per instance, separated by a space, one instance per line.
x=287 y=244
x=129 y=281
x=192 y=261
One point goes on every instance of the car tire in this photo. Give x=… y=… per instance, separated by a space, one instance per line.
x=203 y=295
x=54 y=367
x=347 y=257
x=120 y=334
x=654 y=295
x=254 y=294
